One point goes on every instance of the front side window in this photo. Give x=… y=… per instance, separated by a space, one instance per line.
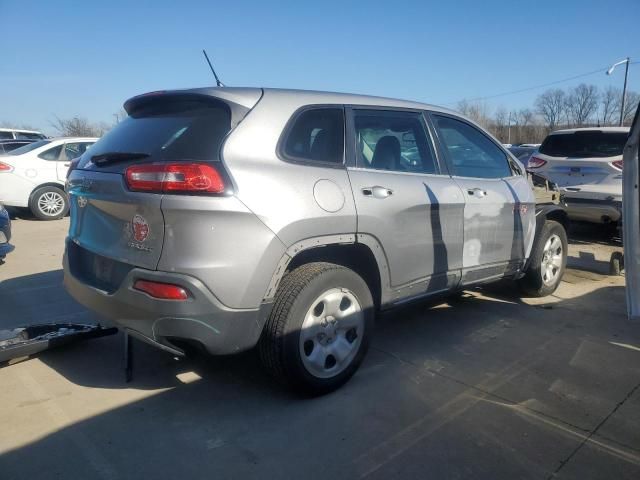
x=6 y=136
x=394 y=141
x=317 y=135
x=471 y=152
x=74 y=150
x=52 y=153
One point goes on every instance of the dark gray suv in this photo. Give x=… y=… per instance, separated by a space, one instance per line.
x=236 y=217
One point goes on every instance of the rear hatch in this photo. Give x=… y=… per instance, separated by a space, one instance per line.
x=583 y=157
x=116 y=217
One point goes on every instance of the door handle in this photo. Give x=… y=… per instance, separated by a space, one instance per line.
x=67 y=164
x=477 y=192
x=377 y=191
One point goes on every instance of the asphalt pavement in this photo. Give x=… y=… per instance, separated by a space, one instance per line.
x=480 y=386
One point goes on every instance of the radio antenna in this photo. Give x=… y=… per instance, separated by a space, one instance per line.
x=218 y=82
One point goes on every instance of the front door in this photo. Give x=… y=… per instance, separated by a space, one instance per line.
x=499 y=215
x=404 y=201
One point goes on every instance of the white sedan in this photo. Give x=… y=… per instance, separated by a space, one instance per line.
x=33 y=176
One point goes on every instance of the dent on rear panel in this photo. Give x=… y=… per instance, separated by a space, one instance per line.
x=223 y=244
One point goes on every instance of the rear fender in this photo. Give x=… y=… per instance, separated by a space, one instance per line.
x=325 y=248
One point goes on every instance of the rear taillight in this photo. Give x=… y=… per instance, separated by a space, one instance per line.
x=175 y=178
x=163 y=291
x=535 y=162
x=617 y=164
x=5 y=167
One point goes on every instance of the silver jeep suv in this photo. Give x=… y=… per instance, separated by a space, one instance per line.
x=236 y=217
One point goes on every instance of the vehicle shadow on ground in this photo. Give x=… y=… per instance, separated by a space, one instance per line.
x=431 y=371
x=583 y=233
x=16 y=213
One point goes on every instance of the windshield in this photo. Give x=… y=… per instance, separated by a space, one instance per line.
x=589 y=143
x=29 y=147
x=174 y=131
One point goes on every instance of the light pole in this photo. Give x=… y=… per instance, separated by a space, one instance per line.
x=624 y=89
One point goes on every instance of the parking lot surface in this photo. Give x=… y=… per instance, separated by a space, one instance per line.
x=483 y=385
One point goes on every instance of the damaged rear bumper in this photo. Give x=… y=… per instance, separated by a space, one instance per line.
x=202 y=318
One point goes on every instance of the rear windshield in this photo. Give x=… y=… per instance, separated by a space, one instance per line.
x=28 y=147
x=170 y=130
x=592 y=143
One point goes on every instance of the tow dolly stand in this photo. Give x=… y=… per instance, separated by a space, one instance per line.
x=616 y=264
x=128 y=357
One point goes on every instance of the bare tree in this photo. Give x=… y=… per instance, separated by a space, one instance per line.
x=525 y=116
x=79 y=127
x=499 y=125
x=476 y=111
x=120 y=115
x=630 y=107
x=550 y=105
x=581 y=103
x=609 y=105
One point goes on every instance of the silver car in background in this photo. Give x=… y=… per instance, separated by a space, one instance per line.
x=236 y=217
x=586 y=164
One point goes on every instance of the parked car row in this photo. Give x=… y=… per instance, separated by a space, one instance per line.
x=34 y=175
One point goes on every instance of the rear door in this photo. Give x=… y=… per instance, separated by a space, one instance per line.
x=110 y=220
x=499 y=212
x=405 y=200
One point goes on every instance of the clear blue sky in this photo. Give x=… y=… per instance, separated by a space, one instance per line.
x=85 y=58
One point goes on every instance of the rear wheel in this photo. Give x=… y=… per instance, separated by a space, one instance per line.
x=548 y=261
x=49 y=203
x=318 y=331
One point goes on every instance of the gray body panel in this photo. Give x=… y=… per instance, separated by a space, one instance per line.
x=231 y=251
x=499 y=225
x=631 y=220
x=419 y=225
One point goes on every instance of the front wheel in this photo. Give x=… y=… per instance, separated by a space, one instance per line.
x=548 y=261
x=49 y=203
x=319 y=328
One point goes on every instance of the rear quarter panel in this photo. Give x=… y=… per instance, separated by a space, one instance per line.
x=286 y=197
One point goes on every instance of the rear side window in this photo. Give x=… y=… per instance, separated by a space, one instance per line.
x=587 y=143
x=6 y=135
x=394 y=141
x=172 y=130
x=51 y=154
x=317 y=135
x=471 y=152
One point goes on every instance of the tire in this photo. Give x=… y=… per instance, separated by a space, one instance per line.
x=538 y=282
x=49 y=203
x=308 y=360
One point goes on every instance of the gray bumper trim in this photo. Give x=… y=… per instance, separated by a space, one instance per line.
x=202 y=318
